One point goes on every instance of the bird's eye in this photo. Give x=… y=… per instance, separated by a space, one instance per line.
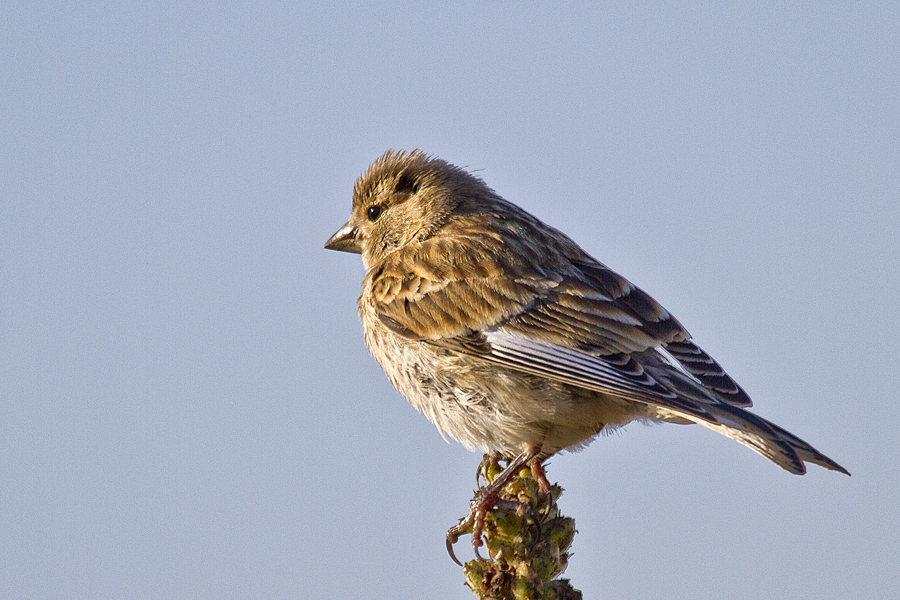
x=373 y=212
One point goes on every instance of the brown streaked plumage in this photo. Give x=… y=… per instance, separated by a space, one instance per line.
x=512 y=339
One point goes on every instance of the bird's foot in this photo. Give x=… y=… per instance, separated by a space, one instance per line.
x=488 y=498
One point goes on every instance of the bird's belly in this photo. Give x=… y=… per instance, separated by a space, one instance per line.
x=486 y=406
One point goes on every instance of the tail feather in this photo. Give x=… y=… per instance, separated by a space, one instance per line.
x=764 y=437
x=709 y=397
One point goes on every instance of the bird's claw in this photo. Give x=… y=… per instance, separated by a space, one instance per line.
x=473 y=522
x=452 y=538
x=491 y=459
x=488 y=498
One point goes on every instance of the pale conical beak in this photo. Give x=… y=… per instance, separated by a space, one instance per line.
x=344 y=240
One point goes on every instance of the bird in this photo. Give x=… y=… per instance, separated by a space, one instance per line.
x=511 y=339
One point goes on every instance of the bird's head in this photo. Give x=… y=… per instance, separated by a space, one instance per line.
x=403 y=198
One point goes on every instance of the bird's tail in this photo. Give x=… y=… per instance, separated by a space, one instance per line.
x=706 y=395
x=778 y=445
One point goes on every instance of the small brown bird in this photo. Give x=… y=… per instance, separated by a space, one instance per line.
x=510 y=338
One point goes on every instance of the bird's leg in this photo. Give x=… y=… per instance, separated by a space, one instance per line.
x=488 y=498
x=537 y=471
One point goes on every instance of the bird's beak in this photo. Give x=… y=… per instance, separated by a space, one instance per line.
x=344 y=240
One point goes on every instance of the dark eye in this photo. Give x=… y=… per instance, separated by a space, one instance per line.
x=373 y=212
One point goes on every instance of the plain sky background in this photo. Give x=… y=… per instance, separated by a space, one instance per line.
x=187 y=408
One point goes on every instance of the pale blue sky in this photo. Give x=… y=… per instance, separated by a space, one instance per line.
x=187 y=409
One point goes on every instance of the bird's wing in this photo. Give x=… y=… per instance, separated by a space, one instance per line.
x=597 y=312
x=579 y=323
